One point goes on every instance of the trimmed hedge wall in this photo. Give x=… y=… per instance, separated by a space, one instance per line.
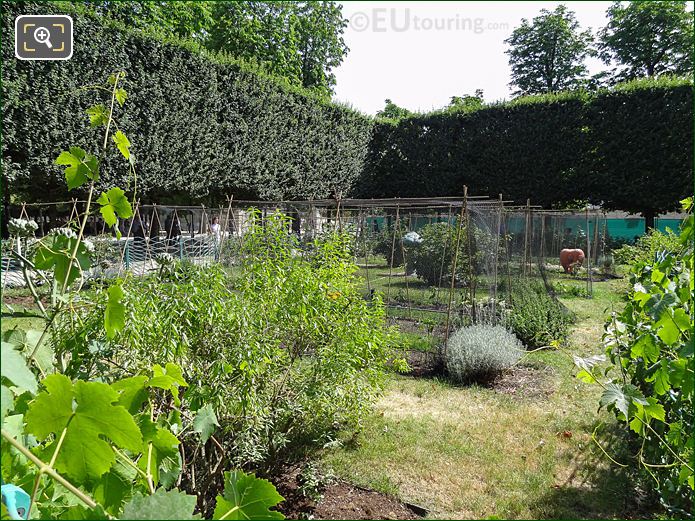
x=202 y=125
x=629 y=148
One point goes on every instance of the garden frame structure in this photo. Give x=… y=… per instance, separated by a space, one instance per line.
x=508 y=256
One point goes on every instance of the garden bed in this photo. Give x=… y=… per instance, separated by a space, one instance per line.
x=339 y=500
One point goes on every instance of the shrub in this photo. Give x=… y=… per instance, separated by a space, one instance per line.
x=647 y=248
x=536 y=317
x=285 y=351
x=384 y=244
x=432 y=257
x=258 y=136
x=480 y=352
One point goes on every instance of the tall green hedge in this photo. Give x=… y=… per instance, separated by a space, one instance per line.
x=202 y=125
x=628 y=148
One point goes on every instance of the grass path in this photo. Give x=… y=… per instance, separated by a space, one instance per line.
x=474 y=452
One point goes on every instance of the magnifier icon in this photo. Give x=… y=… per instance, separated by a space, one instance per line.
x=42 y=35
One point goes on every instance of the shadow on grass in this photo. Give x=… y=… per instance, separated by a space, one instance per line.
x=598 y=488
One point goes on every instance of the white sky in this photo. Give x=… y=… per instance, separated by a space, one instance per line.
x=405 y=52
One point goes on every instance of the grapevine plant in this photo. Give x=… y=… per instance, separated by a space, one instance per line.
x=650 y=344
x=94 y=449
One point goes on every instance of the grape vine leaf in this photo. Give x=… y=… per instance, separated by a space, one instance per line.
x=84 y=454
x=81 y=167
x=114 y=314
x=172 y=504
x=121 y=95
x=169 y=379
x=669 y=333
x=122 y=143
x=660 y=377
x=205 y=422
x=247 y=497
x=111 y=490
x=28 y=342
x=79 y=512
x=97 y=115
x=164 y=445
x=6 y=401
x=621 y=398
x=646 y=348
x=55 y=251
x=113 y=203
x=132 y=393
x=13 y=366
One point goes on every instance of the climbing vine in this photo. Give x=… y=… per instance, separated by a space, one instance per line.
x=78 y=449
x=650 y=389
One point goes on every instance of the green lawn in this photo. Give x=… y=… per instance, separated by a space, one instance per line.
x=474 y=452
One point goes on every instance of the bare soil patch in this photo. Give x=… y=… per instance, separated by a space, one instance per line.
x=339 y=500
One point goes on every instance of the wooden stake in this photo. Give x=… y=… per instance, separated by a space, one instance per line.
x=453 y=270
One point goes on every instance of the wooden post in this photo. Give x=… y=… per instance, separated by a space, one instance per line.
x=471 y=275
x=542 y=252
x=509 y=266
x=526 y=241
x=393 y=249
x=366 y=252
x=497 y=258
x=464 y=203
x=589 y=284
x=43 y=232
x=596 y=224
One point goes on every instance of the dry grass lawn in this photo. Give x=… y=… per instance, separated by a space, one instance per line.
x=475 y=452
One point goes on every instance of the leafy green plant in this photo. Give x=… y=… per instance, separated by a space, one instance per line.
x=650 y=389
x=107 y=440
x=433 y=258
x=648 y=247
x=479 y=352
x=537 y=318
x=284 y=349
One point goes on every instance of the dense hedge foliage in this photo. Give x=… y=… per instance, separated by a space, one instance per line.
x=205 y=125
x=629 y=147
x=208 y=126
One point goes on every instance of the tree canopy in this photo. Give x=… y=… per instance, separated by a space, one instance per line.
x=299 y=41
x=547 y=54
x=648 y=38
x=393 y=111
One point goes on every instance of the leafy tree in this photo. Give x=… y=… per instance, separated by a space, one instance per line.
x=393 y=111
x=301 y=41
x=321 y=45
x=648 y=38
x=187 y=19
x=547 y=54
x=468 y=102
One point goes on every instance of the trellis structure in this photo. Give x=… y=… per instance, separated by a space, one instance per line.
x=499 y=241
